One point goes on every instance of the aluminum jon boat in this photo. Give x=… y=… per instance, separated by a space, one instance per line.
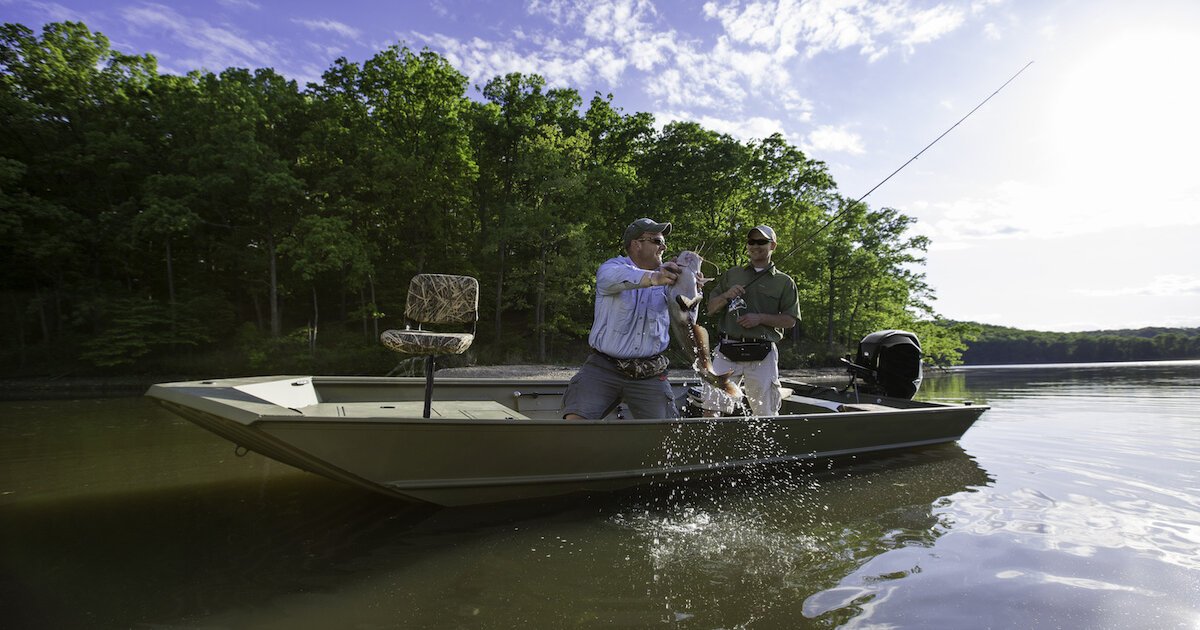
x=491 y=440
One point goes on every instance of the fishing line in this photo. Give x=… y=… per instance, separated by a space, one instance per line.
x=884 y=181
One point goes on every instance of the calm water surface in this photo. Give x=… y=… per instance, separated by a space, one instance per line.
x=1073 y=503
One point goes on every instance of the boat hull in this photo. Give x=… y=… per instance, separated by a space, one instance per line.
x=492 y=440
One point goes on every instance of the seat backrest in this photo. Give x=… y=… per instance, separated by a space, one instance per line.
x=435 y=298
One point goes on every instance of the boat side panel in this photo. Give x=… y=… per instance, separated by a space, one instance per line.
x=411 y=454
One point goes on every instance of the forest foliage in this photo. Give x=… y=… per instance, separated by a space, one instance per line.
x=235 y=221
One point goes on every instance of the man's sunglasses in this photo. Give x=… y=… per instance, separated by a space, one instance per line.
x=661 y=242
x=758 y=241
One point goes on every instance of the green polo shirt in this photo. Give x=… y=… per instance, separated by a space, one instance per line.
x=771 y=294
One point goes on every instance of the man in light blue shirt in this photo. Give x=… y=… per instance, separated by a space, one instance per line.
x=630 y=332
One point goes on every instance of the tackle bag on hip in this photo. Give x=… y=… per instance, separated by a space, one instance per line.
x=739 y=351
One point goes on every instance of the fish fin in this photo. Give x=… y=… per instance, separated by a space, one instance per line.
x=685 y=303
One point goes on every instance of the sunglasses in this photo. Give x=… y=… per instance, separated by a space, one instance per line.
x=758 y=241
x=661 y=242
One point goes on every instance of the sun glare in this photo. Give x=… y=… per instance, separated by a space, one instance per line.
x=1124 y=126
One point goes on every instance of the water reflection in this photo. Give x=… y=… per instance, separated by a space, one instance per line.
x=89 y=561
x=1115 y=382
x=90 y=542
x=751 y=553
x=1074 y=502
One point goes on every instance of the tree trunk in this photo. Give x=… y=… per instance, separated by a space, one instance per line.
x=374 y=305
x=20 y=315
x=42 y=315
x=829 y=311
x=170 y=288
x=499 y=294
x=170 y=279
x=539 y=312
x=366 y=312
x=312 y=329
x=276 y=318
x=258 y=312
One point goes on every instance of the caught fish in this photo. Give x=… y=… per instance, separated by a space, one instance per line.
x=683 y=304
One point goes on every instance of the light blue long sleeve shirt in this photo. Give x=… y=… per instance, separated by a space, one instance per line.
x=629 y=321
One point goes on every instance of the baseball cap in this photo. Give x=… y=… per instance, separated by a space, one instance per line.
x=766 y=231
x=643 y=225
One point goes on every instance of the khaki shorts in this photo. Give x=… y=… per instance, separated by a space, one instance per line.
x=598 y=387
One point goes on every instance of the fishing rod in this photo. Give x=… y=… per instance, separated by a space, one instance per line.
x=884 y=181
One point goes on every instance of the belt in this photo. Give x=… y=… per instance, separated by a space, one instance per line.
x=744 y=339
x=612 y=358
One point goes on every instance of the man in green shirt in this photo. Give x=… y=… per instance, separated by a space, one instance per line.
x=753 y=305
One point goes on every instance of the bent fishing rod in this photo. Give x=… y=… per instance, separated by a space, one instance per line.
x=884 y=181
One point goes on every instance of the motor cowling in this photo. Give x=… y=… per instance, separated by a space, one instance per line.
x=889 y=363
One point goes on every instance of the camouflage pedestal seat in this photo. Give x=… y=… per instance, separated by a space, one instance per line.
x=436 y=302
x=426 y=343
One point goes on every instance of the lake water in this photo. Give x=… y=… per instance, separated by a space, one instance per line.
x=1073 y=503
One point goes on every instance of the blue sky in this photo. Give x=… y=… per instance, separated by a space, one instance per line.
x=1068 y=202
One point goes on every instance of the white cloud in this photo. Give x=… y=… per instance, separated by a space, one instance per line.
x=56 y=12
x=331 y=26
x=240 y=4
x=746 y=129
x=620 y=21
x=785 y=27
x=793 y=102
x=559 y=63
x=833 y=139
x=750 y=61
x=1160 y=286
x=215 y=48
x=932 y=24
x=655 y=50
x=1047 y=211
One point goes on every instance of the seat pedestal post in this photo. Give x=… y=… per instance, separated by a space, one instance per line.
x=428 y=385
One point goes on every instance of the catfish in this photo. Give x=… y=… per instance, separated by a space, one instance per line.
x=683 y=306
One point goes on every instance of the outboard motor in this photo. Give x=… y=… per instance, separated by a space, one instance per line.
x=889 y=363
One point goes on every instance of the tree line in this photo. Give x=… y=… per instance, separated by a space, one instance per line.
x=234 y=220
x=998 y=345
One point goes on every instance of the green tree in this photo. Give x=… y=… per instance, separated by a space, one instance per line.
x=693 y=177
x=149 y=213
x=322 y=246
x=72 y=157
x=419 y=157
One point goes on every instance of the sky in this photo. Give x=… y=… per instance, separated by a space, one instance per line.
x=1067 y=202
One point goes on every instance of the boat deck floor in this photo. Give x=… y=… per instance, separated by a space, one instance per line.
x=445 y=409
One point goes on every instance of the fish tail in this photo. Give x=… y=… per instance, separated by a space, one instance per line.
x=725 y=384
x=703 y=365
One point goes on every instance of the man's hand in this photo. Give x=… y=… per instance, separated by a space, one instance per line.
x=733 y=292
x=668 y=273
x=750 y=320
